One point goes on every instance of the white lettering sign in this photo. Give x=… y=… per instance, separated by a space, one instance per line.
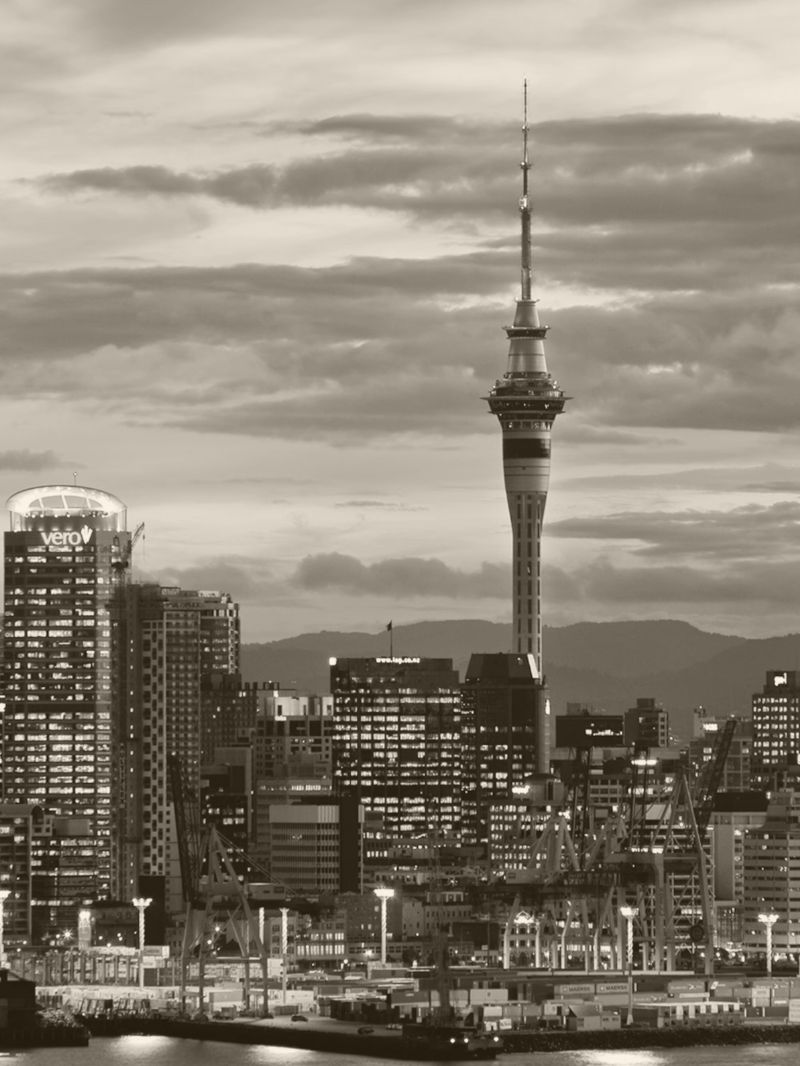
x=404 y=659
x=68 y=538
x=780 y=679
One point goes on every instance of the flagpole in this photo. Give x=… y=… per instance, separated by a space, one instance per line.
x=390 y=630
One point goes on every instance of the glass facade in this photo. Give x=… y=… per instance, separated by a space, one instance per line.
x=63 y=557
x=397 y=744
x=168 y=644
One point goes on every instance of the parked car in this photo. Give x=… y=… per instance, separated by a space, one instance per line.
x=299 y=1018
x=365 y=1030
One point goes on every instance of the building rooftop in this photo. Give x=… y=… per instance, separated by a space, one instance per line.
x=63 y=501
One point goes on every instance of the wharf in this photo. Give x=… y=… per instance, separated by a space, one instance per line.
x=321 y=1034
x=44 y=1036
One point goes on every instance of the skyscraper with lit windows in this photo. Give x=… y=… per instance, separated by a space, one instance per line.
x=397 y=744
x=170 y=647
x=67 y=548
x=776 y=726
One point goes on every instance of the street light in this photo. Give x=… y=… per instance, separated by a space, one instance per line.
x=284 y=950
x=84 y=930
x=768 y=919
x=141 y=903
x=4 y=894
x=384 y=895
x=629 y=913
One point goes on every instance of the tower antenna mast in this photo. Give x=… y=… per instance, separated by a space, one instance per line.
x=524 y=204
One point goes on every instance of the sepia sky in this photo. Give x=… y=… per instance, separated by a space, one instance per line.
x=257 y=258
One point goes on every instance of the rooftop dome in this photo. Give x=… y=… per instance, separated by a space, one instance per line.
x=65 y=501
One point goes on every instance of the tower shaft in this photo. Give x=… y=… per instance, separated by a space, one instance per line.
x=526 y=401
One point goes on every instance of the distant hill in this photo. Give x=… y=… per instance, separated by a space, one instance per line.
x=607 y=664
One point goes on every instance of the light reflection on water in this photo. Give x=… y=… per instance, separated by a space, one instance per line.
x=754 y=1054
x=165 y=1051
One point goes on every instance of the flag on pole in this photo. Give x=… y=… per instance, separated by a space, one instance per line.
x=389 y=628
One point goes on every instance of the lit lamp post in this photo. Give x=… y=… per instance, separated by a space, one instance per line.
x=4 y=894
x=384 y=895
x=768 y=920
x=284 y=950
x=84 y=930
x=141 y=903
x=628 y=913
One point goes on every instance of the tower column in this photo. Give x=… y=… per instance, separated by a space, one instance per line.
x=526 y=401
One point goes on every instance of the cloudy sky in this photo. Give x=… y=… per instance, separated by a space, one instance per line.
x=257 y=258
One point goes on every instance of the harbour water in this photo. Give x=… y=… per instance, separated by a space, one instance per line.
x=164 y=1051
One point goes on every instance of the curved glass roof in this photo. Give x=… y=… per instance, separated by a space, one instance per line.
x=61 y=500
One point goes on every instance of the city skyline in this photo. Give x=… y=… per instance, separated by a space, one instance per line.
x=261 y=302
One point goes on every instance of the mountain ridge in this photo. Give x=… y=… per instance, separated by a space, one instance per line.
x=604 y=664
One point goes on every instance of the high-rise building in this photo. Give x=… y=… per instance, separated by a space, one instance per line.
x=18 y=824
x=170 y=645
x=647 y=724
x=397 y=743
x=68 y=547
x=315 y=845
x=507 y=738
x=734 y=815
x=229 y=711
x=526 y=400
x=771 y=875
x=776 y=724
x=736 y=772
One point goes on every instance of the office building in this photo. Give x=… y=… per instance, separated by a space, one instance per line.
x=776 y=725
x=771 y=880
x=581 y=728
x=734 y=814
x=647 y=725
x=397 y=743
x=228 y=711
x=67 y=550
x=18 y=824
x=506 y=725
x=736 y=775
x=315 y=845
x=170 y=645
x=226 y=797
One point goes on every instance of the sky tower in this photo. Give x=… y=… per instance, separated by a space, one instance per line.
x=526 y=400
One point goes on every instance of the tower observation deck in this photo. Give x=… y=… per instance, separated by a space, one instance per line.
x=526 y=400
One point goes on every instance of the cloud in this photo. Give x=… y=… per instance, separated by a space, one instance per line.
x=666 y=242
x=247 y=580
x=743 y=534
x=654 y=590
x=608 y=192
x=401 y=578
x=771 y=478
x=381 y=505
x=24 y=459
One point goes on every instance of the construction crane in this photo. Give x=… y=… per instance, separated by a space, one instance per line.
x=711 y=779
x=121 y=553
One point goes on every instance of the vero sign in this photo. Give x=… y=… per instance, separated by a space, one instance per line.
x=67 y=538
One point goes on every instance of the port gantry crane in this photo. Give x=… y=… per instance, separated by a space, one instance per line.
x=211 y=890
x=651 y=854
